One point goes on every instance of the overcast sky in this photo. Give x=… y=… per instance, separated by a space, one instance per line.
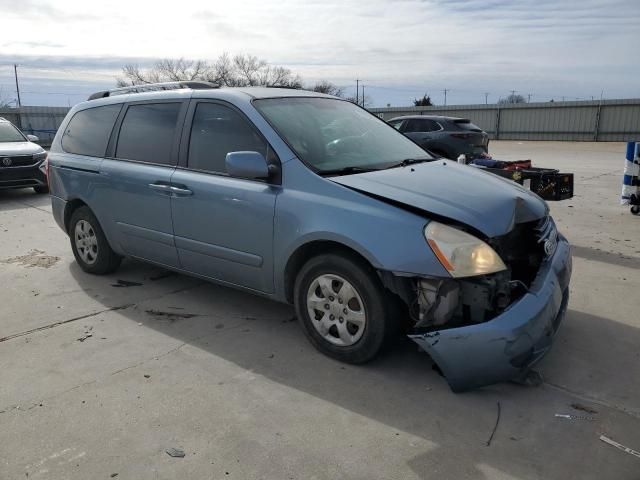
x=401 y=49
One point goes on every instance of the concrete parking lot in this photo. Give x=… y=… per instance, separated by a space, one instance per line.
x=101 y=375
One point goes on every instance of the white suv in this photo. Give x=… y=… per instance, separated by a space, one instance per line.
x=22 y=162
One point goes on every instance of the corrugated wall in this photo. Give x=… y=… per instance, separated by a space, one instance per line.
x=42 y=122
x=606 y=121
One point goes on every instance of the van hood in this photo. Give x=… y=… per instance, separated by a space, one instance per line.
x=482 y=200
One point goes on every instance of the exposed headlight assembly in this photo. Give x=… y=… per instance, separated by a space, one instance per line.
x=461 y=254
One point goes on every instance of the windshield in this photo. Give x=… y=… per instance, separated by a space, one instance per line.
x=9 y=133
x=331 y=135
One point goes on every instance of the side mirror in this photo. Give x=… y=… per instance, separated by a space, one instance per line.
x=250 y=165
x=32 y=138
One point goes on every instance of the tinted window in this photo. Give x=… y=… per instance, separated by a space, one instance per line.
x=415 y=125
x=431 y=126
x=216 y=131
x=467 y=125
x=89 y=130
x=396 y=124
x=147 y=132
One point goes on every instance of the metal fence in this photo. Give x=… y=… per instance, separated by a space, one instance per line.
x=43 y=122
x=600 y=121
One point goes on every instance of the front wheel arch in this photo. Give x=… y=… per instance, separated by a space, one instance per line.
x=311 y=249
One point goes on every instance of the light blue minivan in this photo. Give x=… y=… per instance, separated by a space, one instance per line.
x=309 y=199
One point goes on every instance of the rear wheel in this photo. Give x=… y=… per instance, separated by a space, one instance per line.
x=89 y=244
x=341 y=305
x=41 y=189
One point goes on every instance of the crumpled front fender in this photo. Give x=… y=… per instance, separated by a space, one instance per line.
x=511 y=343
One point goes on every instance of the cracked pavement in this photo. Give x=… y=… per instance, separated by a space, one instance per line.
x=227 y=377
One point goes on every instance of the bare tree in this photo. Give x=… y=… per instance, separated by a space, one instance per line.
x=237 y=71
x=324 y=86
x=366 y=102
x=513 y=98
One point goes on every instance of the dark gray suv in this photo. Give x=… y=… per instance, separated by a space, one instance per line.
x=447 y=137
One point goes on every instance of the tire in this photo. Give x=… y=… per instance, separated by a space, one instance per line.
x=366 y=304
x=635 y=209
x=41 y=189
x=89 y=244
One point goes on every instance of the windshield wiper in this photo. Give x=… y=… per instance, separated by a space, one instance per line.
x=347 y=170
x=410 y=161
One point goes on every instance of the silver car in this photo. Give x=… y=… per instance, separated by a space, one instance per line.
x=309 y=199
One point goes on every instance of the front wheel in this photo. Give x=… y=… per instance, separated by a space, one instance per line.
x=89 y=244
x=341 y=305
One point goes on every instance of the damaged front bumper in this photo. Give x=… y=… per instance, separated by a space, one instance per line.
x=507 y=346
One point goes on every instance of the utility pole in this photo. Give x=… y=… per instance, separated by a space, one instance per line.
x=15 y=72
x=445 y=96
x=363 y=95
x=528 y=98
x=357 y=91
x=486 y=98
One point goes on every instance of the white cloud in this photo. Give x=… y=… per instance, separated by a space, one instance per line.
x=545 y=47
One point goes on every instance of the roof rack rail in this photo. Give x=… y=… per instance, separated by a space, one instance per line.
x=153 y=87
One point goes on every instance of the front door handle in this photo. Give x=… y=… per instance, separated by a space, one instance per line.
x=180 y=191
x=160 y=187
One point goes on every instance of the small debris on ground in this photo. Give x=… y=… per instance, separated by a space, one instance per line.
x=619 y=446
x=271 y=356
x=573 y=417
x=147 y=376
x=584 y=408
x=219 y=326
x=125 y=283
x=87 y=334
x=113 y=475
x=175 y=452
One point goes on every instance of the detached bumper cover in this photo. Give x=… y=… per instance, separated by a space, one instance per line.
x=511 y=343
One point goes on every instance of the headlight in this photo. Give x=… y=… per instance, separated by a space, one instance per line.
x=38 y=157
x=463 y=255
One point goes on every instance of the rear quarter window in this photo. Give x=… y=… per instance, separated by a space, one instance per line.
x=467 y=125
x=89 y=130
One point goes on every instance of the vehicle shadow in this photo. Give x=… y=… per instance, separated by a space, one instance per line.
x=15 y=199
x=400 y=389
